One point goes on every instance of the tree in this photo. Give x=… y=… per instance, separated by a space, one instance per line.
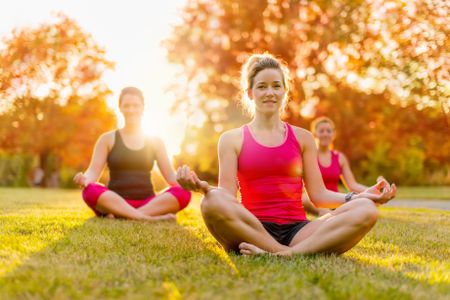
x=53 y=97
x=364 y=61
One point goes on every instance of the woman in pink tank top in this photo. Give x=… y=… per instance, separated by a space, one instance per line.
x=268 y=160
x=333 y=164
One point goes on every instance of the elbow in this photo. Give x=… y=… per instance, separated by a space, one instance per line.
x=316 y=200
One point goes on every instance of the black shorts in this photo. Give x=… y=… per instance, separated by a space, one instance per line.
x=284 y=233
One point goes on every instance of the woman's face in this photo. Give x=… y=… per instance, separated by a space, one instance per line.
x=268 y=91
x=324 y=134
x=131 y=107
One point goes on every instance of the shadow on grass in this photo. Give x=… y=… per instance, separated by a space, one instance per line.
x=397 y=260
x=115 y=258
x=134 y=260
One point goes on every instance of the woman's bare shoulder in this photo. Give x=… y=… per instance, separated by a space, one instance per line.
x=107 y=139
x=304 y=136
x=232 y=137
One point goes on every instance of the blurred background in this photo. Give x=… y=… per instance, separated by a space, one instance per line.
x=379 y=69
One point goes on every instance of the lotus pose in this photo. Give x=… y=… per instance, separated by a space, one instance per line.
x=268 y=160
x=130 y=156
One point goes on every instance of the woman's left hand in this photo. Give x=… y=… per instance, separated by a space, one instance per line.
x=380 y=193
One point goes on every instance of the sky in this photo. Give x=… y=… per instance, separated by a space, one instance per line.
x=131 y=32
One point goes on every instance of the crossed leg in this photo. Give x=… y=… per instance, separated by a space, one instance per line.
x=164 y=203
x=231 y=224
x=335 y=232
x=113 y=205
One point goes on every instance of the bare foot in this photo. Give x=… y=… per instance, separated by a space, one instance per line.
x=250 y=249
x=166 y=217
x=110 y=216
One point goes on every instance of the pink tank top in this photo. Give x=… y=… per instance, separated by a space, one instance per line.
x=332 y=173
x=270 y=178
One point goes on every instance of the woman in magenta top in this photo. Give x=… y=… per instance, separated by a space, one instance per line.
x=268 y=160
x=333 y=164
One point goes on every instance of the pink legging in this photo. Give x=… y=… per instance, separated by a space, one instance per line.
x=93 y=190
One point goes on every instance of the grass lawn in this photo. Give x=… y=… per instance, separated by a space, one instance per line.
x=423 y=192
x=51 y=247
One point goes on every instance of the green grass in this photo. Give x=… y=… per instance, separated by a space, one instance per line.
x=51 y=247
x=423 y=192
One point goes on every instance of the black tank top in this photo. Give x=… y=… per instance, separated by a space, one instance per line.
x=129 y=170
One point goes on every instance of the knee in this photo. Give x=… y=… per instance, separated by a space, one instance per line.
x=211 y=203
x=92 y=191
x=183 y=196
x=215 y=205
x=366 y=213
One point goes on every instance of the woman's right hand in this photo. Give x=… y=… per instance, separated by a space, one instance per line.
x=80 y=179
x=190 y=181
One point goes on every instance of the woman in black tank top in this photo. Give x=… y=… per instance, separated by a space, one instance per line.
x=130 y=156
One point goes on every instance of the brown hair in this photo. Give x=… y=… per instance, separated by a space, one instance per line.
x=131 y=91
x=321 y=120
x=255 y=64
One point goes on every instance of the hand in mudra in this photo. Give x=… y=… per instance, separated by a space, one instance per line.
x=80 y=179
x=190 y=181
x=380 y=193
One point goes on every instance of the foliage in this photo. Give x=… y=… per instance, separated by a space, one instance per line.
x=378 y=69
x=53 y=97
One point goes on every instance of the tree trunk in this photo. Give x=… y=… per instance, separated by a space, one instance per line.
x=43 y=165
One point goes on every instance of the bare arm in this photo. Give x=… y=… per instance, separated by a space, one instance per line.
x=380 y=193
x=164 y=165
x=317 y=192
x=228 y=162
x=98 y=161
x=347 y=176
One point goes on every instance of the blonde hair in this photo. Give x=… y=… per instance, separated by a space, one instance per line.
x=321 y=120
x=255 y=64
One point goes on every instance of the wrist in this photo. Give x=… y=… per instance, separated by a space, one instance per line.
x=206 y=189
x=350 y=196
